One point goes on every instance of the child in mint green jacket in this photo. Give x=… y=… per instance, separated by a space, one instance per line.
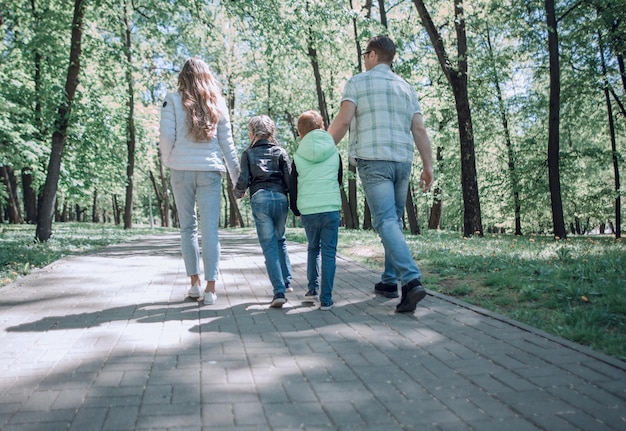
x=315 y=196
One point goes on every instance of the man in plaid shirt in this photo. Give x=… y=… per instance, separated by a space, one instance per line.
x=385 y=120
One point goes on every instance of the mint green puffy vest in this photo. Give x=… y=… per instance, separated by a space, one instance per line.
x=317 y=162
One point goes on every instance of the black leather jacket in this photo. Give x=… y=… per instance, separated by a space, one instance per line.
x=264 y=165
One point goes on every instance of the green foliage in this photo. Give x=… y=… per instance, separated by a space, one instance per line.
x=259 y=50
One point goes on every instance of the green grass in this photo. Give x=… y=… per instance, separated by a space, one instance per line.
x=573 y=288
x=20 y=254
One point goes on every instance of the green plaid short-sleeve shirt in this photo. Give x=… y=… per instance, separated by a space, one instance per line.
x=385 y=106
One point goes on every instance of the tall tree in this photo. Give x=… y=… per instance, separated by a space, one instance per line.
x=504 y=119
x=554 y=176
x=457 y=77
x=130 y=120
x=46 y=211
x=614 y=154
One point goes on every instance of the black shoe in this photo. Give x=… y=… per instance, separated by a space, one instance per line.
x=386 y=289
x=278 y=301
x=412 y=293
x=311 y=295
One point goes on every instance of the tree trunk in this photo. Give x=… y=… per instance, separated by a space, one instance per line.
x=29 y=196
x=234 y=218
x=46 y=212
x=614 y=153
x=553 y=123
x=312 y=54
x=116 y=210
x=95 y=214
x=367 y=216
x=472 y=219
x=350 y=209
x=383 y=13
x=515 y=187
x=165 y=191
x=130 y=133
x=13 y=204
x=434 y=219
x=159 y=197
x=411 y=212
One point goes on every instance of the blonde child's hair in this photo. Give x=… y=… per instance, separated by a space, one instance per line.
x=262 y=127
x=309 y=120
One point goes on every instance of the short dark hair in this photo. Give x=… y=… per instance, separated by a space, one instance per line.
x=383 y=46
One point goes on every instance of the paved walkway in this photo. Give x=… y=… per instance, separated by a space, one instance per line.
x=109 y=342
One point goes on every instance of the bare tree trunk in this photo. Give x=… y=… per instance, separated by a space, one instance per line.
x=554 y=175
x=472 y=219
x=130 y=132
x=46 y=212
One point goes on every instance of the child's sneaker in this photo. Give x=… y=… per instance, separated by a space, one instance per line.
x=326 y=307
x=288 y=287
x=310 y=295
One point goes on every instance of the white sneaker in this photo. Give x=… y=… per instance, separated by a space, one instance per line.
x=209 y=298
x=195 y=291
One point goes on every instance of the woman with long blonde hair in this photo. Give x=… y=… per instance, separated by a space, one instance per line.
x=197 y=145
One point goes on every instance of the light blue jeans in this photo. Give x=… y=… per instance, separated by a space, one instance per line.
x=270 y=209
x=206 y=188
x=322 y=231
x=385 y=185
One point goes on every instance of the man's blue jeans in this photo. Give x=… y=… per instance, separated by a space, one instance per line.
x=322 y=232
x=205 y=187
x=270 y=210
x=385 y=185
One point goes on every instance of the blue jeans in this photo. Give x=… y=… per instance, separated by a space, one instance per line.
x=270 y=210
x=322 y=232
x=385 y=185
x=206 y=188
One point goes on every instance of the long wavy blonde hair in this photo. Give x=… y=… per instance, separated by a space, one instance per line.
x=200 y=91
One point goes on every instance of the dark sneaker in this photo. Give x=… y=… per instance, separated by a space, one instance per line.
x=326 y=307
x=412 y=293
x=310 y=295
x=288 y=287
x=278 y=301
x=387 y=290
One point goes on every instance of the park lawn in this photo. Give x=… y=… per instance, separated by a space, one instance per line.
x=573 y=288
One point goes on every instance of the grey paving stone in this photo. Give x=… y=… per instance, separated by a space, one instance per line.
x=83 y=347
